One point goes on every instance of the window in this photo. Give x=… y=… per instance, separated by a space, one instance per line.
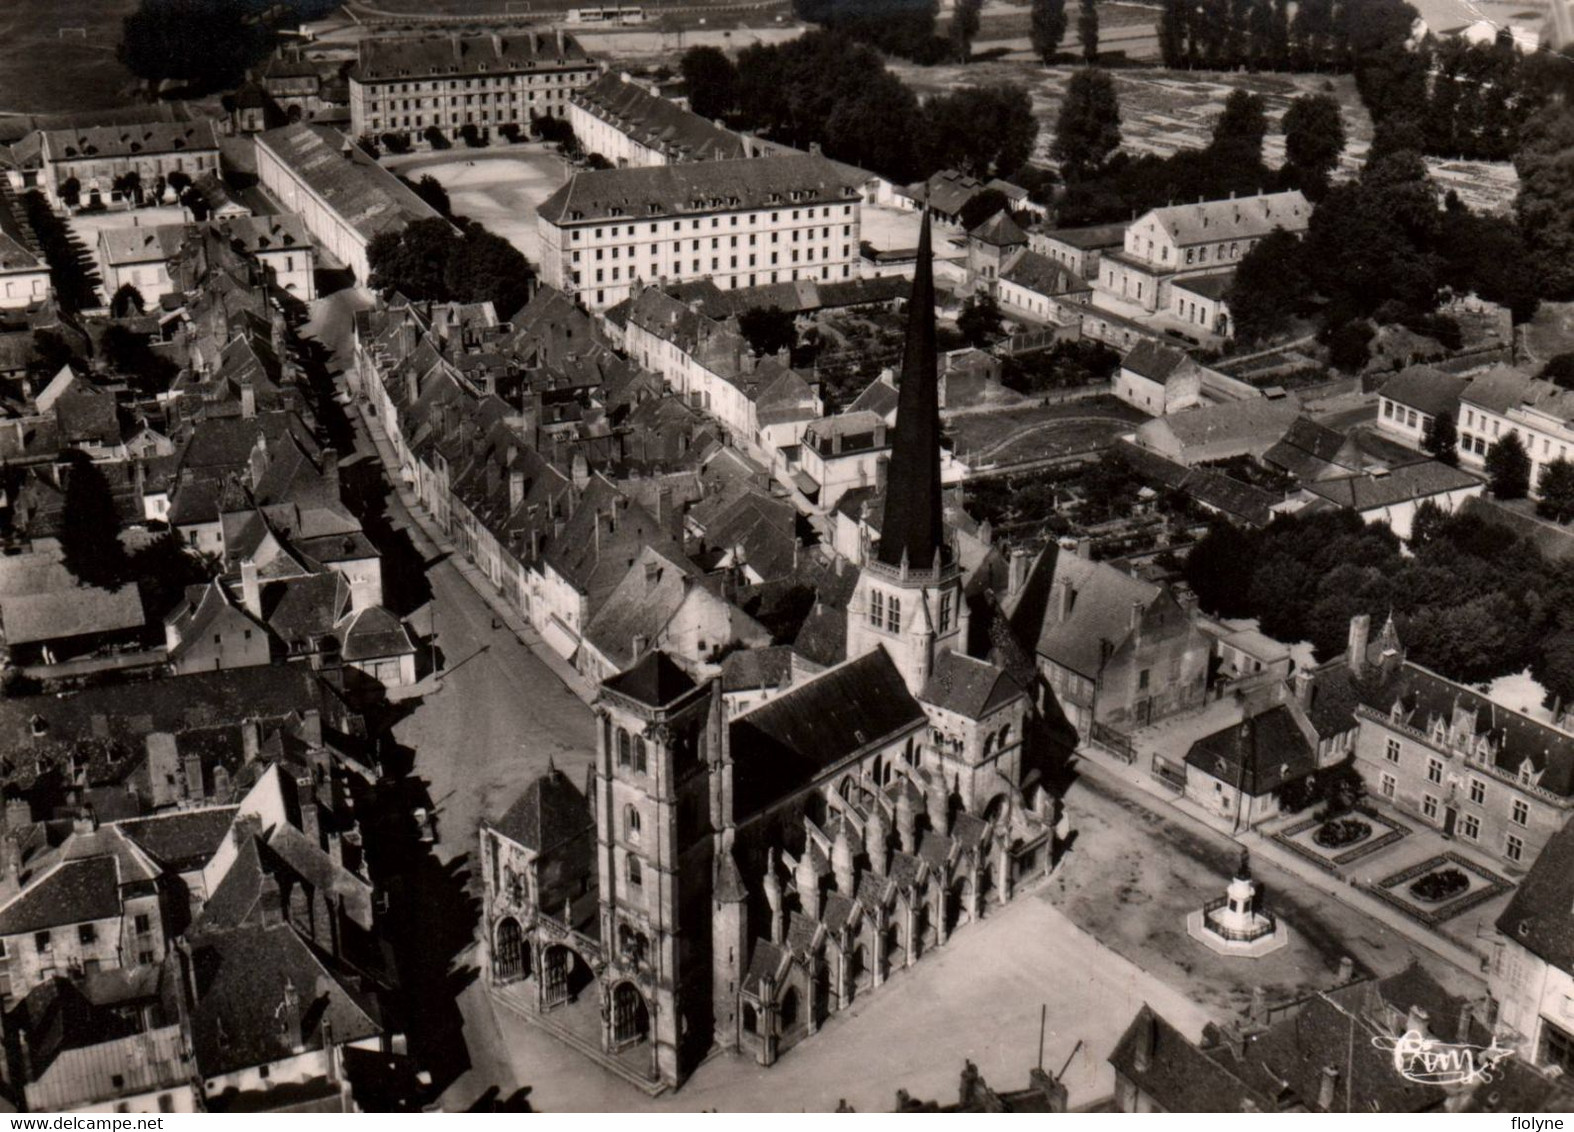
x=1470 y=827
x=639 y=755
x=893 y=614
x=1478 y=791
x=876 y=608
x=1521 y=813
x=636 y=879
x=1142 y=680
x=87 y=933
x=623 y=748
x=143 y=924
x=631 y=823
x=42 y=943
x=1393 y=750
x=1386 y=785
x=1429 y=805
x=1388 y=409
x=945 y=612
x=1514 y=848
x=1434 y=770
x=144 y=959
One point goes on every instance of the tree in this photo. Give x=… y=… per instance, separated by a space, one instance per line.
x=1088 y=128
x=1508 y=468
x=1559 y=370
x=711 y=81
x=472 y=135
x=436 y=138
x=484 y=267
x=90 y=533
x=129 y=186
x=1545 y=204
x=1088 y=31
x=179 y=181
x=768 y=329
x=197 y=203
x=982 y=206
x=206 y=43
x=1440 y=439
x=952 y=140
x=964 y=26
x=1314 y=138
x=1427 y=525
x=1269 y=287
x=413 y=261
x=1173 y=27
x=979 y=320
x=1556 y=489
x=71 y=192
x=1238 y=134
x=1349 y=345
x=126 y=302
x=1047 y=28
x=431 y=190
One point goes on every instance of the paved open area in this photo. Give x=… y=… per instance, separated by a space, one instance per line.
x=501 y=187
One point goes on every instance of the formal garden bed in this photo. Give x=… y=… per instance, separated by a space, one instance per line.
x=1341 y=839
x=1440 y=888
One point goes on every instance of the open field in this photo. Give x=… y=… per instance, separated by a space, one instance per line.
x=1040 y=432
x=501 y=187
x=40 y=72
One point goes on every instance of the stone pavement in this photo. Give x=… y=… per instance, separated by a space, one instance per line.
x=1138 y=784
x=430 y=540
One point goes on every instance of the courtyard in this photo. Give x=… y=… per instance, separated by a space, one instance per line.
x=1023 y=433
x=500 y=186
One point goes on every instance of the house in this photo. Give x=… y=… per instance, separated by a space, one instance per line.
x=95 y=156
x=1392 y=495
x=210 y=630
x=1077 y=249
x=1167 y=244
x=342 y=196
x=1532 y=964
x=1158 y=379
x=1504 y=400
x=992 y=244
x=1412 y=399
x=1217 y=432
x=1116 y=652
x=47 y=617
x=281 y=245
x=522 y=76
x=1200 y=301
x=152 y=1071
x=140 y=257
x=1237 y=772
x=841 y=452
x=741 y=223
x=946 y=194
x=1034 y=285
x=24 y=273
x=1331 y=1051
x=617 y=117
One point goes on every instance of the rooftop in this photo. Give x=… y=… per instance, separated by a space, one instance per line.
x=104 y=142
x=445 y=56
x=366 y=196
x=657 y=122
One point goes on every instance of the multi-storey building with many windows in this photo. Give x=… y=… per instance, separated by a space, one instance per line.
x=1504 y=400
x=740 y=223
x=406 y=86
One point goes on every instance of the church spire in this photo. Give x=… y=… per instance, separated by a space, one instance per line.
x=912 y=528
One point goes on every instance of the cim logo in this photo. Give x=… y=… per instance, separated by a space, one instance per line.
x=1427 y=1061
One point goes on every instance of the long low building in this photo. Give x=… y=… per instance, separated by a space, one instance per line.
x=96 y=155
x=740 y=223
x=344 y=197
x=618 y=118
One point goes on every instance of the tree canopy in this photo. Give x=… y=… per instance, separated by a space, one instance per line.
x=1088 y=31
x=1269 y=288
x=1440 y=438
x=1556 y=491
x=768 y=329
x=90 y=534
x=1047 y=28
x=711 y=81
x=1508 y=468
x=1314 y=137
x=1088 y=128
x=435 y=259
x=206 y=43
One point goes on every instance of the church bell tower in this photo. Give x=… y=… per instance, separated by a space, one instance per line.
x=909 y=595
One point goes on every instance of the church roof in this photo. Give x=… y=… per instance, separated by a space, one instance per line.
x=913 y=527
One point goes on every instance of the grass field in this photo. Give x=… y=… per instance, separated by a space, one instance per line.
x=41 y=73
x=1039 y=432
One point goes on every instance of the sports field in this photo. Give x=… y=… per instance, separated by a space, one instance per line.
x=43 y=71
x=499 y=188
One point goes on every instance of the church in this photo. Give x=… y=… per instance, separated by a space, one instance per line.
x=727 y=884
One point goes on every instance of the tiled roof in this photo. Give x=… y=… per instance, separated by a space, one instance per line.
x=153 y=243
x=101 y=143
x=1101 y=609
x=657 y=122
x=655 y=681
x=1427 y=389
x=374 y=634
x=969 y=687
x=999 y=231
x=1398 y=485
x=441 y=57
x=640 y=607
x=366 y=196
x=1503 y=388
x=750 y=669
x=183 y=840
x=266 y=233
x=1540 y=917
x=1230 y=496
x=698 y=187
x=1042 y=275
x=1238 y=218
x=1212 y=286
x=1091 y=238
x=73 y=892
x=107 y=1071
x=1258 y=755
x=70 y=610
x=1153 y=360
x=791 y=739
x=1236 y=420
x=550 y=812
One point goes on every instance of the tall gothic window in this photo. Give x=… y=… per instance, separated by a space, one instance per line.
x=893 y=614
x=945 y=612
x=876 y=608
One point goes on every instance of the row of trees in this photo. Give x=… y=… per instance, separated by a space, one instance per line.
x=1320 y=35
x=451 y=261
x=827 y=89
x=1473 y=601
x=1048 y=21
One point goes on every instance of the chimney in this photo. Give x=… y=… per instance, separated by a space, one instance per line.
x=18 y=813
x=289 y=1015
x=311 y=728
x=1303 y=688
x=250 y=739
x=1142 y=1052
x=1418 y=1021
x=1067 y=598
x=248 y=400
x=882 y=467
x=1136 y=615
x=1467 y=1014
x=1346 y=971
x=163 y=764
x=1018 y=575
x=221 y=784
x=1326 y=1084
x=250 y=590
x=1355 y=652
x=1085 y=548
x=516 y=488
x=270 y=902
x=309 y=824
x=193 y=767
x=1259 y=1008
x=580 y=472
